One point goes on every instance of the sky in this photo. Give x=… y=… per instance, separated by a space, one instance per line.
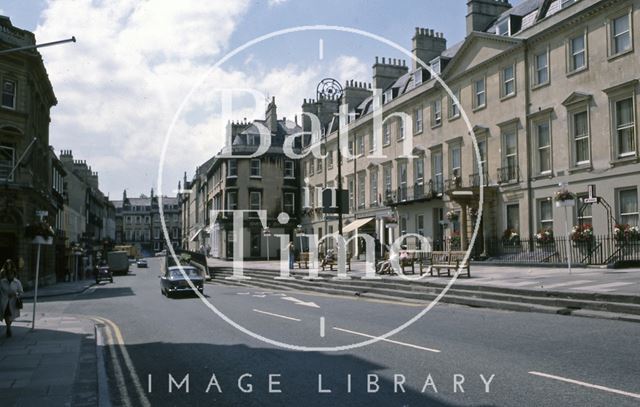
x=136 y=63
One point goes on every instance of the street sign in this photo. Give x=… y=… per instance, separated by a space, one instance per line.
x=590 y=200
x=266 y=232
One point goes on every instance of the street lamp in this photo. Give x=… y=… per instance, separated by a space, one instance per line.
x=299 y=231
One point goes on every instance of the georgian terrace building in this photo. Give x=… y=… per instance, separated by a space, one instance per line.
x=550 y=89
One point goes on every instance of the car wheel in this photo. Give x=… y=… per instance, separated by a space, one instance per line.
x=111 y=279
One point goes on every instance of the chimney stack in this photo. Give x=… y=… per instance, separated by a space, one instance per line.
x=482 y=13
x=427 y=45
x=385 y=73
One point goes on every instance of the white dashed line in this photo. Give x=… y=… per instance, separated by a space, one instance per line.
x=277 y=315
x=584 y=384
x=409 y=345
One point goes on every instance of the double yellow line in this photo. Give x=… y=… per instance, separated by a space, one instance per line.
x=116 y=345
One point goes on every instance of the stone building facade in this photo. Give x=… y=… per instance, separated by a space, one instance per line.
x=231 y=181
x=138 y=222
x=550 y=90
x=26 y=163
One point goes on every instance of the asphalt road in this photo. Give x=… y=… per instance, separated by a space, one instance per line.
x=527 y=359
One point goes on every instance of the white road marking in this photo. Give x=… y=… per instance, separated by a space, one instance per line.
x=322 y=327
x=601 y=287
x=592 y=386
x=277 y=315
x=259 y=296
x=410 y=345
x=244 y=293
x=300 y=302
x=568 y=283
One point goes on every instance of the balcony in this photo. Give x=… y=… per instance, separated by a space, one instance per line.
x=474 y=179
x=418 y=192
x=509 y=174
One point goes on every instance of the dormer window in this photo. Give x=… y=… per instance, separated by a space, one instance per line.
x=417 y=77
x=436 y=66
x=387 y=96
x=504 y=27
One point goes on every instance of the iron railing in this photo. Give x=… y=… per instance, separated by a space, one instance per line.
x=509 y=174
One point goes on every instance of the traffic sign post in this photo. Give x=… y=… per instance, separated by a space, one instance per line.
x=267 y=233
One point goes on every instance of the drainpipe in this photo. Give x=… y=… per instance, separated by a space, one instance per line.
x=527 y=133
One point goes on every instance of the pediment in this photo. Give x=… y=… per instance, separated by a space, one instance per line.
x=577 y=97
x=477 y=49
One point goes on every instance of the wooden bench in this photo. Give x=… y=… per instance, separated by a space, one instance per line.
x=406 y=262
x=303 y=259
x=448 y=261
x=334 y=261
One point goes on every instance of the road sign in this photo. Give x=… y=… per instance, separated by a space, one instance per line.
x=590 y=200
x=266 y=232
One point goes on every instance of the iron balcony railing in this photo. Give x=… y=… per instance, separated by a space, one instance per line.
x=474 y=179
x=509 y=174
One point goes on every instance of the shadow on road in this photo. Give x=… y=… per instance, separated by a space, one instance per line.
x=298 y=381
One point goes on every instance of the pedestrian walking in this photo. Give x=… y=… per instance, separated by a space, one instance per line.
x=10 y=292
x=292 y=255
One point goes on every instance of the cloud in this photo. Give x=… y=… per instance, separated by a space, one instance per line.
x=275 y=3
x=134 y=63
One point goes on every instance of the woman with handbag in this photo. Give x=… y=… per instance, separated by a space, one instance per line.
x=10 y=292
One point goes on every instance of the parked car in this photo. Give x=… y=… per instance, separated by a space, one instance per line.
x=172 y=281
x=102 y=272
x=161 y=253
x=141 y=263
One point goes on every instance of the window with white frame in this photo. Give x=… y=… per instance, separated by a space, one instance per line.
x=400 y=122
x=402 y=180
x=7 y=162
x=480 y=93
x=580 y=138
x=577 y=53
x=362 y=179
x=330 y=159
x=625 y=127
x=289 y=203
x=156 y=233
x=255 y=168
x=255 y=200
x=508 y=81
x=510 y=155
x=545 y=214
x=436 y=113
x=541 y=68
x=232 y=168
x=232 y=200
x=454 y=108
x=437 y=170
x=628 y=206
x=455 y=156
x=360 y=145
x=502 y=28
x=386 y=134
x=352 y=192
x=289 y=169
x=542 y=134
x=9 y=94
x=373 y=187
x=319 y=165
x=386 y=174
x=513 y=218
x=417 y=120
x=418 y=171
x=620 y=34
x=311 y=167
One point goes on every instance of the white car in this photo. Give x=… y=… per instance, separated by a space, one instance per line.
x=161 y=253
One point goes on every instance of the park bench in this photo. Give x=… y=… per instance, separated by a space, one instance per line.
x=334 y=261
x=303 y=260
x=452 y=260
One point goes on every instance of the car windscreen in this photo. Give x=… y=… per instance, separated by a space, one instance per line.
x=190 y=272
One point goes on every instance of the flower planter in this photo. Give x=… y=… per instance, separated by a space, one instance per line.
x=567 y=202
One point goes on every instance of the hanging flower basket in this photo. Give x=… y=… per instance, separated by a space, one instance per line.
x=565 y=198
x=41 y=229
x=454 y=241
x=452 y=216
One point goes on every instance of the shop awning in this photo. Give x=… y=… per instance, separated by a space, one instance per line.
x=195 y=236
x=356 y=224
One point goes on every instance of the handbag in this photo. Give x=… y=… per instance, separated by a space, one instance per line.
x=19 y=302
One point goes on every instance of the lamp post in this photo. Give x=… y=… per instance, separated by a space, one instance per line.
x=299 y=231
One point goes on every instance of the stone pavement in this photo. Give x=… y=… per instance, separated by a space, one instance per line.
x=581 y=280
x=53 y=365
x=66 y=288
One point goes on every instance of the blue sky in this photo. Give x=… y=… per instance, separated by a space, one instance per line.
x=121 y=84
